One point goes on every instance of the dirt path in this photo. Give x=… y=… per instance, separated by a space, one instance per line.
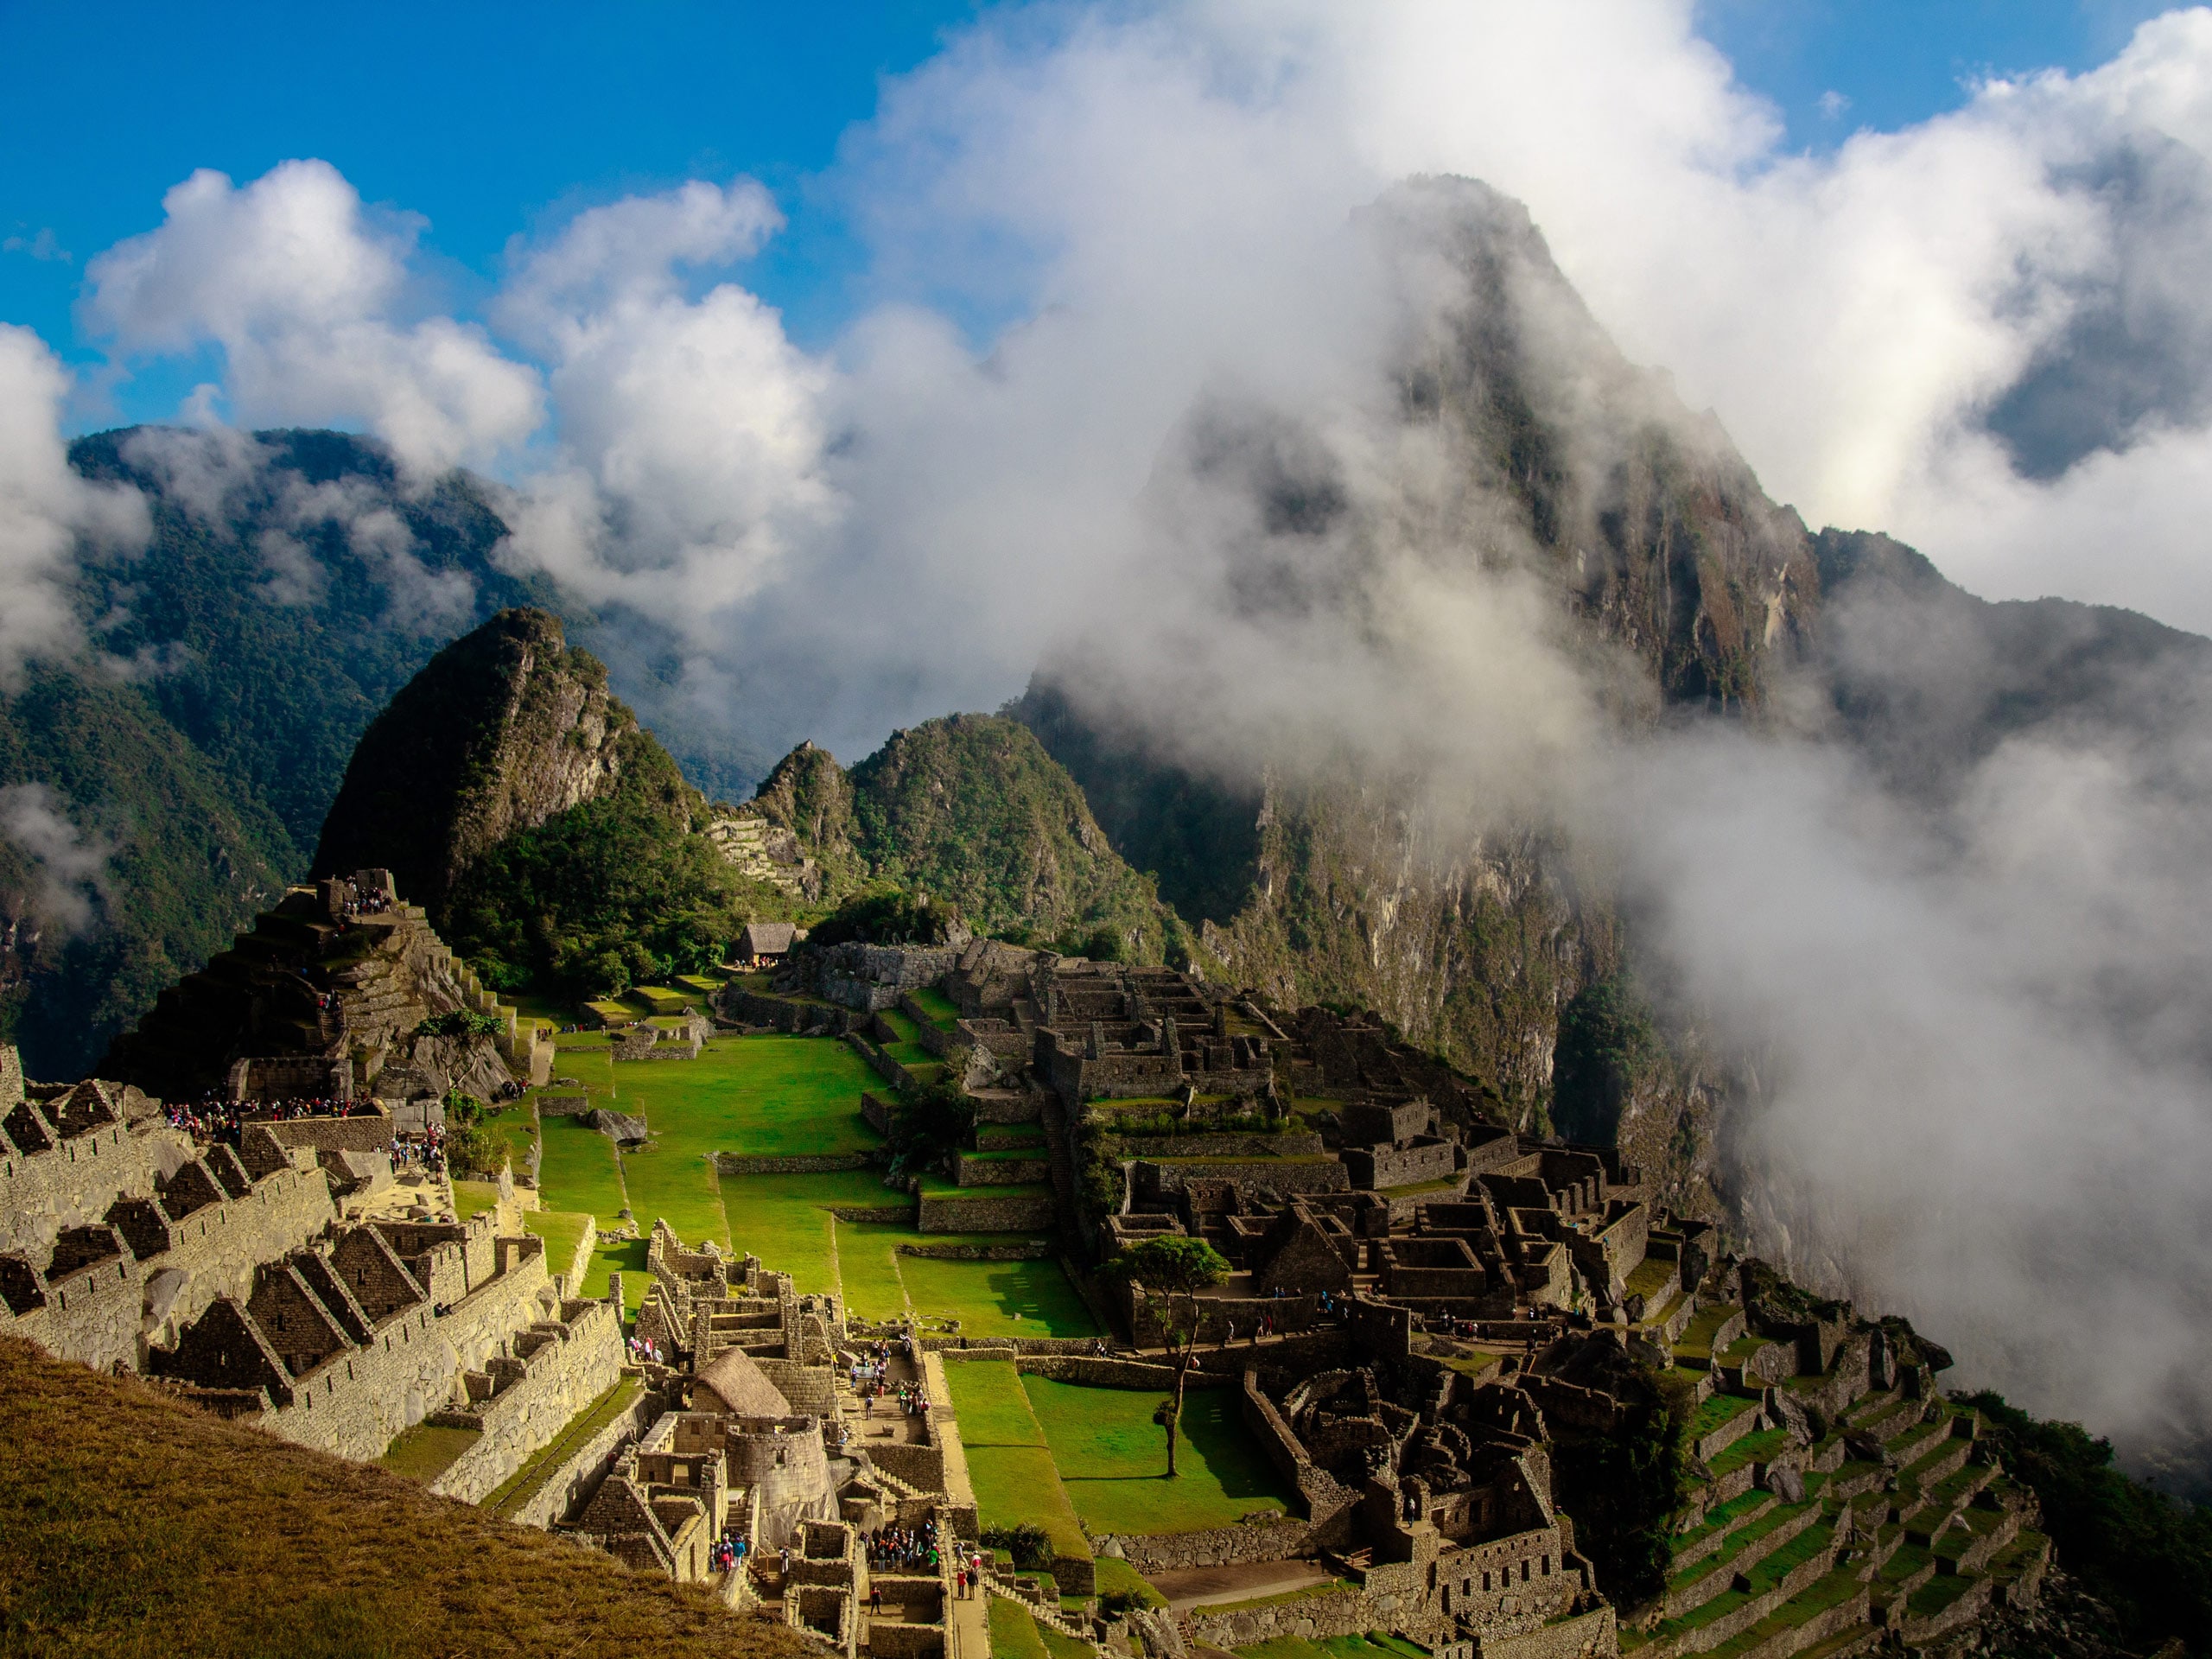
x=1194 y=1586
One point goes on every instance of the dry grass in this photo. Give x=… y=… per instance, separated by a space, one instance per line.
x=137 y=1528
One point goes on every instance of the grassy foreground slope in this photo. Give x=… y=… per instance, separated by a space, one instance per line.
x=139 y=1526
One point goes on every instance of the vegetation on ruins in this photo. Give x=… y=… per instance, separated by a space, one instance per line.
x=597 y=898
x=888 y=917
x=2148 y=1556
x=1176 y=1269
x=931 y=1120
x=460 y=1022
x=971 y=810
x=1028 y=1543
x=1623 y=1490
x=1606 y=1042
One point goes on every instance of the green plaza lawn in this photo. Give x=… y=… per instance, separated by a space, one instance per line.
x=772 y=1096
x=984 y=1296
x=1012 y=1470
x=775 y=1096
x=1113 y=1457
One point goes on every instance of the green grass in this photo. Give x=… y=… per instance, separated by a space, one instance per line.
x=626 y=1257
x=909 y=1053
x=1117 y=1577
x=563 y=1230
x=659 y=998
x=939 y=1007
x=1014 y=1477
x=903 y=1030
x=681 y=1188
x=528 y=1480
x=1715 y=1413
x=984 y=1296
x=474 y=1198
x=1752 y=1448
x=1015 y=1634
x=423 y=1453
x=1939 y=1592
x=867 y=1265
x=1374 y=1645
x=1113 y=1458
x=580 y=1172
x=785 y=1220
x=993 y=1407
x=777 y=1096
x=1018 y=1484
x=1065 y=1646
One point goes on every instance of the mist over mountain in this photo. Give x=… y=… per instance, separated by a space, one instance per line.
x=1445 y=662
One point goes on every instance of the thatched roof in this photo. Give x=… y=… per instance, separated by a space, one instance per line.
x=743 y=1389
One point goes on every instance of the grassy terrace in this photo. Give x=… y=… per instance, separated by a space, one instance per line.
x=903 y=1027
x=1752 y=1448
x=563 y=1230
x=984 y=1296
x=1113 y=1458
x=1704 y=1325
x=1725 y=1515
x=1013 y=1470
x=423 y=1453
x=936 y=1004
x=528 y=1480
x=1651 y=1273
x=1831 y=1590
x=1718 y=1410
x=1374 y=1645
x=1737 y=1544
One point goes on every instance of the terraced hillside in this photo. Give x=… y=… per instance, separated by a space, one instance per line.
x=1827 y=1515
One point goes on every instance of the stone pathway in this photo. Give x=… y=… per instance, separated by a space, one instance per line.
x=1195 y=1586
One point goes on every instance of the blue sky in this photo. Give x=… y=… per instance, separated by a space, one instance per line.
x=487 y=128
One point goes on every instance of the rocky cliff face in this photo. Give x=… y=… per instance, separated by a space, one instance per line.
x=501 y=730
x=1682 y=585
x=968 y=808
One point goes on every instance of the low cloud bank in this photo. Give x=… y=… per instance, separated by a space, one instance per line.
x=1183 y=466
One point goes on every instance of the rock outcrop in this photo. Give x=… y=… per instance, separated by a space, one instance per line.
x=501 y=730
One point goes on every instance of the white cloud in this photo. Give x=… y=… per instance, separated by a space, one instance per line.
x=68 y=865
x=44 y=508
x=304 y=291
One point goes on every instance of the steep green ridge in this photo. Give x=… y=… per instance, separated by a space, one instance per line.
x=188 y=858
x=552 y=839
x=499 y=732
x=971 y=808
x=288 y=591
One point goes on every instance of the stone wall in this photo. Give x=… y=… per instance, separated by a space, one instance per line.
x=780 y=1014
x=1325 y=1497
x=1026 y=1250
x=944 y=1214
x=1344 y=1611
x=363 y=1131
x=1156 y=1182
x=969 y=1170
x=579 y=1360
x=1248 y=1541
x=570 y=1485
x=731 y=1163
x=1594 y=1635
x=1221 y=1318
x=74 y=1181
x=1136 y=1374
x=921 y=1466
x=879 y=1062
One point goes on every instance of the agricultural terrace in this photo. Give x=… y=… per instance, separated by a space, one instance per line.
x=837 y=1231
x=1008 y=1462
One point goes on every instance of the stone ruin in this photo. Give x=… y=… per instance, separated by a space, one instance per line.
x=229 y=1274
x=1456 y=1311
x=322 y=997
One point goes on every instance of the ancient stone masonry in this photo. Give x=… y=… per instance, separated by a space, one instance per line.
x=323 y=997
x=761 y=1441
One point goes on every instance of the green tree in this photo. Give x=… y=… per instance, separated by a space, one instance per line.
x=1176 y=1269
x=1606 y=1042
